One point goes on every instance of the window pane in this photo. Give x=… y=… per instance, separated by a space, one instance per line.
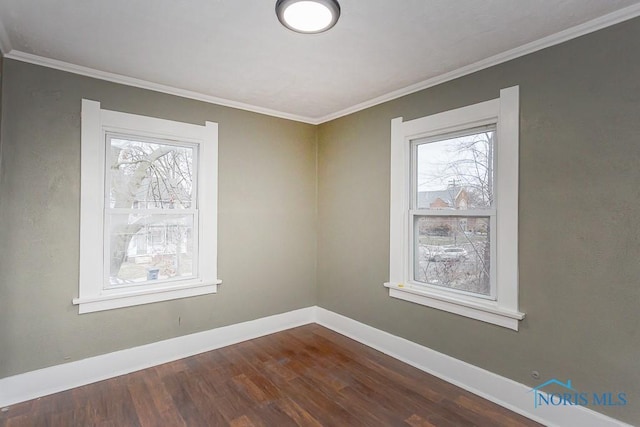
x=453 y=252
x=145 y=248
x=456 y=172
x=150 y=175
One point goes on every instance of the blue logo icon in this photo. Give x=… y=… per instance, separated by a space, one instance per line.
x=571 y=397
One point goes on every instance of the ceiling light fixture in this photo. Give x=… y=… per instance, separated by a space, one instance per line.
x=308 y=16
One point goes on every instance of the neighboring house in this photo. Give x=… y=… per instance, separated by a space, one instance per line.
x=162 y=235
x=454 y=197
x=451 y=198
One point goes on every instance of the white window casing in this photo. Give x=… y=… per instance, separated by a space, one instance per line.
x=502 y=308
x=94 y=292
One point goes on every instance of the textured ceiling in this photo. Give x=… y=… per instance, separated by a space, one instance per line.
x=235 y=52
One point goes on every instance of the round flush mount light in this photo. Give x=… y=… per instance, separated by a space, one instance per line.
x=308 y=16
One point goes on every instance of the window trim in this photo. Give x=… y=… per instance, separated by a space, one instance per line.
x=504 y=112
x=95 y=124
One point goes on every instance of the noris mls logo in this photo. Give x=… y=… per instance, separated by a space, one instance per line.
x=568 y=396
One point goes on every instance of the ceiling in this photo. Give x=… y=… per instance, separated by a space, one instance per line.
x=236 y=53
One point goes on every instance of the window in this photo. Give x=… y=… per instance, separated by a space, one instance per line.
x=148 y=228
x=454 y=210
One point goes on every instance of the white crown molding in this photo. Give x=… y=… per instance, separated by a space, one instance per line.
x=498 y=389
x=143 y=84
x=604 y=21
x=5 y=43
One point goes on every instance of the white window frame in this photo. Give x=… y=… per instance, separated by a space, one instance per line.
x=94 y=294
x=109 y=212
x=502 y=308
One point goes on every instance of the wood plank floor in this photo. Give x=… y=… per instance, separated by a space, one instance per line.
x=307 y=376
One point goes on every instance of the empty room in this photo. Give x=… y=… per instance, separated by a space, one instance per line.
x=319 y=213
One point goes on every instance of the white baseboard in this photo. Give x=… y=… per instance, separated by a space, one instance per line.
x=54 y=379
x=498 y=389
x=503 y=391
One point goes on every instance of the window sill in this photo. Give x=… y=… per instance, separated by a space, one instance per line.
x=130 y=298
x=488 y=311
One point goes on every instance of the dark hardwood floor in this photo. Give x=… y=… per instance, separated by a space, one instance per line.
x=307 y=376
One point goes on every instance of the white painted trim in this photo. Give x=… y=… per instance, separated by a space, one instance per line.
x=599 y=23
x=504 y=112
x=42 y=382
x=398 y=202
x=458 y=119
x=208 y=204
x=604 y=21
x=487 y=311
x=503 y=391
x=156 y=87
x=507 y=173
x=91 y=199
x=96 y=122
x=500 y=390
x=110 y=301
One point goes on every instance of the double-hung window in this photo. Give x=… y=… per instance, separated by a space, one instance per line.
x=148 y=209
x=454 y=210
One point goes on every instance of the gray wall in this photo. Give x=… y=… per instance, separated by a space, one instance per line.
x=579 y=218
x=267 y=216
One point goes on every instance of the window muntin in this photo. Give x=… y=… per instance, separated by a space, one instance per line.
x=150 y=222
x=454 y=174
